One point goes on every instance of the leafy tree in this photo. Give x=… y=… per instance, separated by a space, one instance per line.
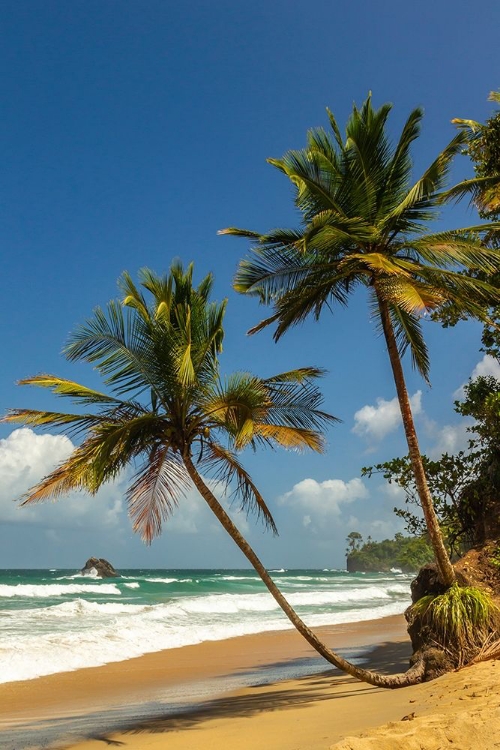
x=483 y=148
x=407 y=553
x=447 y=479
x=365 y=224
x=171 y=416
x=465 y=487
x=354 y=541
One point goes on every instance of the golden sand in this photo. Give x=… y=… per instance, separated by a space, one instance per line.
x=318 y=712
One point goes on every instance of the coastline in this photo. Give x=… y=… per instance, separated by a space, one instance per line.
x=180 y=682
x=236 y=694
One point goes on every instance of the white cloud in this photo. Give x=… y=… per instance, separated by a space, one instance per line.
x=377 y=421
x=25 y=458
x=323 y=499
x=452 y=439
x=488 y=366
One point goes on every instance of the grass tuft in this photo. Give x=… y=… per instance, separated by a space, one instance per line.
x=461 y=620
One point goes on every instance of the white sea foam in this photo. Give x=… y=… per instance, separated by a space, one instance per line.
x=55 y=636
x=161 y=580
x=53 y=589
x=99 y=641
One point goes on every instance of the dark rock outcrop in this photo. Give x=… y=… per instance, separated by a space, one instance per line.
x=99 y=568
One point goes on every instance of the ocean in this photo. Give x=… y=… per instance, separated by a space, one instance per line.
x=58 y=620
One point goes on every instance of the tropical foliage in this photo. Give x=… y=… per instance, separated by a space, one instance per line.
x=167 y=402
x=407 y=553
x=462 y=621
x=483 y=148
x=365 y=224
x=465 y=487
x=171 y=416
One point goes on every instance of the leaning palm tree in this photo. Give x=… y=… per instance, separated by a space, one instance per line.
x=171 y=416
x=365 y=224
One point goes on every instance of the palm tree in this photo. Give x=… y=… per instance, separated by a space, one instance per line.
x=483 y=147
x=169 y=412
x=365 y=224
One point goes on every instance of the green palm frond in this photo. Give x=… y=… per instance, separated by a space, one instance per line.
x=74 y=474
x=63 y=387
x=73 y=424
x=364 y=219
x=300 y=375
x=225 y=467
x=463 y=249
x=158 y=349
x=420 y=200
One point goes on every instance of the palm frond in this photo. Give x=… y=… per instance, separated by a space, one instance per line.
x=76 y=473
x=472 y=188
x=460 y=248
x=73 y=423
x=225 y=467
x=425 y=193
x=155 y=492
x=75 y=391
x=291 y=438
x=408 y=332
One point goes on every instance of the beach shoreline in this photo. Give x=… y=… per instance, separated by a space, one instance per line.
x=236 y=694
x=66 y=706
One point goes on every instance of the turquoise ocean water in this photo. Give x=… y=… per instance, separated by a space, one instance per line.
x=58 y=620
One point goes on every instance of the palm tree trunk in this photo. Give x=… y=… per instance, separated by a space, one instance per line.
x=412 y=677
x=445 y=568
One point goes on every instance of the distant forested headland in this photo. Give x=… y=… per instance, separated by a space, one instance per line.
x=408 y=553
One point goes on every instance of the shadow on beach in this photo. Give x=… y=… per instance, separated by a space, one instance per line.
x=168 y=714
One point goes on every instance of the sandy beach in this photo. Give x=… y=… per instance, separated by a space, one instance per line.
x=236 y=693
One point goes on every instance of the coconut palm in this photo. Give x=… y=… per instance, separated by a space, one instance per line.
x=365 y=224
x=483 y=147
x=175 y=421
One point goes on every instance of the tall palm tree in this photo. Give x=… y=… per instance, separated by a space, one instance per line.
x=365 y=224
x=172 y=417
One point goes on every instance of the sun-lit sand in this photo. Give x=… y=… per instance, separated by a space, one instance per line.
x=192 y=698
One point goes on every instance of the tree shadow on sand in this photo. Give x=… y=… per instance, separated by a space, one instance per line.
x=387 y=658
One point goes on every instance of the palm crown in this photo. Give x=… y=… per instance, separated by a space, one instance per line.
x=364 y=223
x=157 y=351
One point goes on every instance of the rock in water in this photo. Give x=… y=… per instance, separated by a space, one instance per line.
x=99 y=568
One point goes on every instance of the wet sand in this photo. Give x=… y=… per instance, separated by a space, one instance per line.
x=189 y=686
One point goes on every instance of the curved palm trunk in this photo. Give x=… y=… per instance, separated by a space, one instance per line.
x=445 y=568
x=413 y=676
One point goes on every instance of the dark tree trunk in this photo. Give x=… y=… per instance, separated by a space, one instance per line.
x=413 y=676
x=445 y=568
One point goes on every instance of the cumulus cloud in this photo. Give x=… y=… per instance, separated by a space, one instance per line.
x=375 y=422
x=25 y=458
x=452 y=439
x=488 y=366
x=323 y=499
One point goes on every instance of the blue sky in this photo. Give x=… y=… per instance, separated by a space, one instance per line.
x=131 y=132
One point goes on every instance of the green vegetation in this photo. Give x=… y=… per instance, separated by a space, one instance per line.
x=483 y=148
x=462 y=620
x=406 y=553
x=171 y=417
x=465 y=487
x=365 y=223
